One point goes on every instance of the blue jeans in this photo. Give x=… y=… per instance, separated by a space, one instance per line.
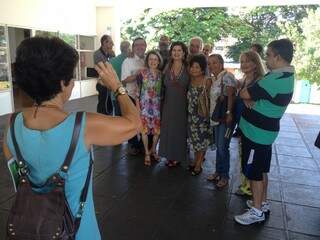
x=222 y=152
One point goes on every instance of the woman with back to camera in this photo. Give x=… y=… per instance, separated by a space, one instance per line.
x=44 y=70
x=173 y=138
x=253 y=70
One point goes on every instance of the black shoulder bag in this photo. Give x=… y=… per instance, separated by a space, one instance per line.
x=219 y=112
x=45 y=215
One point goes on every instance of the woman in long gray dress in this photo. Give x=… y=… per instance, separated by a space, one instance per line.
x=173 y=137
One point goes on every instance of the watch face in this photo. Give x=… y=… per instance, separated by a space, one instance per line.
x=122 y=90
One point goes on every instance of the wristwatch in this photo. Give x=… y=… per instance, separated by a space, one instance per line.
x=120 y=91
x=228 y=112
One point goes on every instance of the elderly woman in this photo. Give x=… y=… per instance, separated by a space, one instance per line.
x=253 y=70
x=173 y=138
x=223 y=88
x=44 y=70
x=149 y=80
x=199 y=132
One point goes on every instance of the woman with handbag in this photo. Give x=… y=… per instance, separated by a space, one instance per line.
x=222 y=94
x=199 y=133
x=253 y=70
x=44 y=132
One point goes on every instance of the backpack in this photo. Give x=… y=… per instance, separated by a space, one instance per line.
x=45 y=215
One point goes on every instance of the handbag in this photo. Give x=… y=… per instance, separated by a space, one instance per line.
x=219 y=112
x=203 y=103
x=45 y=215
x=317 y=142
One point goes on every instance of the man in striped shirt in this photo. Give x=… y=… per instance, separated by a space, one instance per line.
x=266 y=103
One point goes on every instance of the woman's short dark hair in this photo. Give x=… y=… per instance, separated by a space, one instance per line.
x=154 y=53
x=184 y=49
x=41 y=64
x=201 y=60
x=284 y=48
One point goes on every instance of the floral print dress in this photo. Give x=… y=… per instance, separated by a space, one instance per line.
x=199 y=132
x=150 y=88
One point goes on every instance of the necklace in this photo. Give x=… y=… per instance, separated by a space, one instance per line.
x=175 y=77
x=43 y=106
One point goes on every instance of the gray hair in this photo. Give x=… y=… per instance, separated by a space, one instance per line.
x=199 y=39
x=124 y=46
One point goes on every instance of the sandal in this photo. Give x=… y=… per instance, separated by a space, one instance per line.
x=222 y=183
x=195 y=172
x=147 y=161
x=213 y=177
x=173 y=163
x=190 y=167
x=155 y=157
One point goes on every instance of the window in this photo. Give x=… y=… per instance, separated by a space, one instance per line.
x=86 y=51
x=4 y=76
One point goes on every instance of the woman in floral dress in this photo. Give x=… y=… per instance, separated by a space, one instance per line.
x=199 y=133
x=149 y=81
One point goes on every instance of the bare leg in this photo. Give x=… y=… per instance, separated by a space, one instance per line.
x=257 y=193
x=265 y=187
x=146 y=150
x=154 y=147
x=199 y=159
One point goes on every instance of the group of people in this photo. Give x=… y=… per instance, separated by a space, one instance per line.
x=174 y=102
x=179 y=102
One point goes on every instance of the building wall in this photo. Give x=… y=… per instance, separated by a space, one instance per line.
x=108 y=22
x=69 y=16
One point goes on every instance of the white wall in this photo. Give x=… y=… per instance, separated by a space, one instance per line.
x=108 y=22
x=5 y=100
x=315 y=94
x=69 y=16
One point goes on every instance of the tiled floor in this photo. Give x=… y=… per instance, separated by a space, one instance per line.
x=136 y=202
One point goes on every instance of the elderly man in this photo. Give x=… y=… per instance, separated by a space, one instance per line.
x=104 y=54
x=266 y=102
x=130 y=68
x=195 y=46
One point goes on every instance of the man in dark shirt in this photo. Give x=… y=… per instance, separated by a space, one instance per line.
x=164 y=44
x=104 y=54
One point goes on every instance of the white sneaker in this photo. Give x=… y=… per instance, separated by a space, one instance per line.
x=251 y=216
x=265 y=206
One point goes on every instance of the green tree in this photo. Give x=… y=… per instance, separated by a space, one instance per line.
x=180 y=25
x=307 y=50
x=264 y=24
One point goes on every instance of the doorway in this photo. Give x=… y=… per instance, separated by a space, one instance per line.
x=16 y=36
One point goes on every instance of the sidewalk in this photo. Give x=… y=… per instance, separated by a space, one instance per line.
x=156 y=203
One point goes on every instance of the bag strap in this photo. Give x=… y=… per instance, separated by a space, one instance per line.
x=83 y=196
x=75 y=136
x=21 y=162
x=221 y=84
x=65 y=166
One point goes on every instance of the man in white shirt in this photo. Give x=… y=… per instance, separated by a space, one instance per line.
x=129 y=70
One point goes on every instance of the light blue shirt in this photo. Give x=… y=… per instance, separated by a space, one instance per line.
x=45 y=151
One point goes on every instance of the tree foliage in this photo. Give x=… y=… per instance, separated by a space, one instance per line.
x=246 y=25
x=307 y=54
